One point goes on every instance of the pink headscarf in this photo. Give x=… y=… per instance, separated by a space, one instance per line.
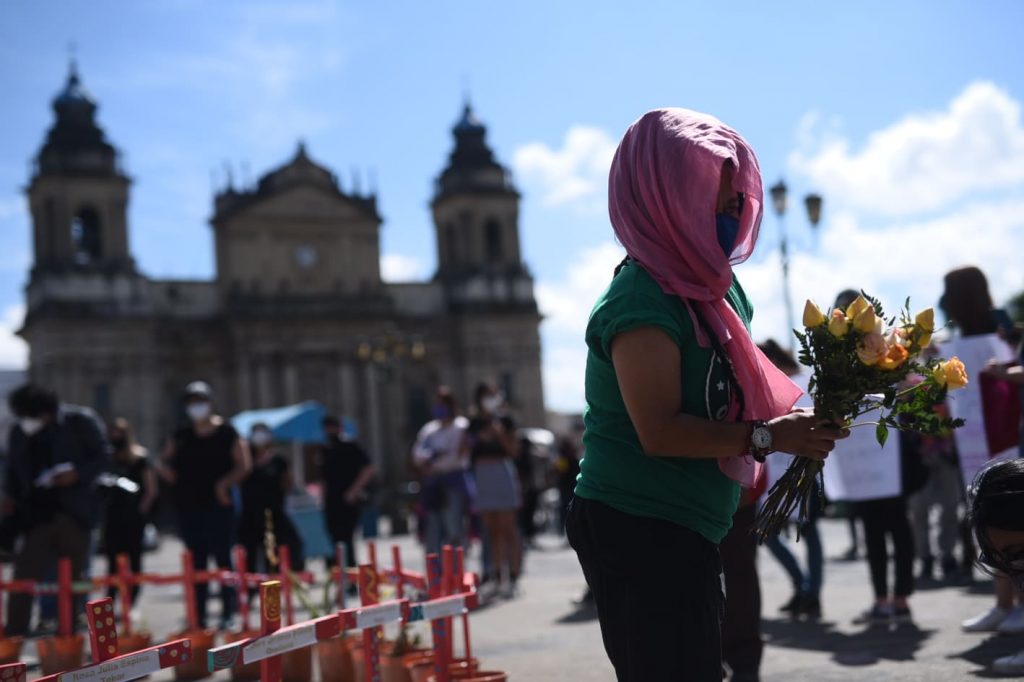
x=662 y=197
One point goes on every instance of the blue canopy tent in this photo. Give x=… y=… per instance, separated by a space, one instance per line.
x=300 y=424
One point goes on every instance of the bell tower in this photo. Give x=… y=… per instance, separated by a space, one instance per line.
x=78 y=194
x=476 y=209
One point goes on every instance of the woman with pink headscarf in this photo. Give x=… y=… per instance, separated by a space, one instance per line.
x=681 y=405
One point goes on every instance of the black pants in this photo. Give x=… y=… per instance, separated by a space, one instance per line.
x=658 y=591
x=209 y=532
x=888 y=518
x=341 y=523
x=44 y=544
x=741 y=628
x=124 y=538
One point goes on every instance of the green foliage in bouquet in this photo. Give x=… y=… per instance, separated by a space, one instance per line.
x=861 y=363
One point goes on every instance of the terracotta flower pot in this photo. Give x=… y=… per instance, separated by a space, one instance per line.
x=421 y=666
x=335 y=661
x=297 y=666
x=243 y=672
x=358 y=658
x=127 y=644
x=478 y=676
x=10 y=649
x=195 y=667
x=57 y=654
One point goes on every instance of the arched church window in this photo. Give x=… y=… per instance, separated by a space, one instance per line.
x=493 y=241
x=85 y=236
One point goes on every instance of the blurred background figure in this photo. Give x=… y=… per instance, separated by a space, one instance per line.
x=55 y=454
x=131 y=487
x=346 y=472
x=447 y=489
x=567 y=467
x=941 y=492
x=967 y=303
x=263 y=507
x=492 y=450
x=205 y=461
x=807 y=583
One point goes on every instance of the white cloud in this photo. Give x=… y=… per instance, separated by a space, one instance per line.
x=922 y=162
x=13 y=350
x=576 y=174
x=566 y=306
x=908 y=257
x=395 y=267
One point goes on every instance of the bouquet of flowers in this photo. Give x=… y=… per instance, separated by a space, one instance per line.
x=862 y=363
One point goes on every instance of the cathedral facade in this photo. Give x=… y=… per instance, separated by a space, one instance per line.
x=297 y=309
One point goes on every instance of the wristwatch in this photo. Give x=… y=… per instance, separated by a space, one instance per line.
x=760 y=439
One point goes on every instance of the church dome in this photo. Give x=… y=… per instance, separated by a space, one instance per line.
x=75 y=143
x=472 y=167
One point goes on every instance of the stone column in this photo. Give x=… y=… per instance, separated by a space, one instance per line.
x=347 y=390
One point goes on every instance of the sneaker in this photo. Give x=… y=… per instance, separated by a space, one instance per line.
x=876 y=615
x=901 y=615
x=1013 y=624
x=810 y=607
x=986 y=622
x=792 y=606
x=1009 y=665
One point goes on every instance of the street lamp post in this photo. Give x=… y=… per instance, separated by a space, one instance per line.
x=812 y=203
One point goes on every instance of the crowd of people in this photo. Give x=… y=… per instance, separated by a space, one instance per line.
x=68 y=473
x=682 y=408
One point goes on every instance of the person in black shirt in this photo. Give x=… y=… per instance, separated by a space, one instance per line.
x=346 y=470
x=55 y=454
x=263 y=495
x=204 y=462
x=130 y=484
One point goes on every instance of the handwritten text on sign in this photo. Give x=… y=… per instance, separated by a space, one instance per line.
x=118 y=670
x=280 y=642
x=453 y=606
x=378 y=615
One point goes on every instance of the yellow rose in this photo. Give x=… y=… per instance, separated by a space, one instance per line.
x=951 y=373
x=812 y=315
x=838 y=326
x=866 y=321
x=859 y=305
x=924 y=326
x=872 y=349
x=896 y=356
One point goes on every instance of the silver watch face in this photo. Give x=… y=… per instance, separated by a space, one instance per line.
x=761 y=438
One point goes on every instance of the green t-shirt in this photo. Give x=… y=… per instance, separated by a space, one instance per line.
x=615 y=469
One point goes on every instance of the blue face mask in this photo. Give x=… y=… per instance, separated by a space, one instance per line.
x=442 y=412
x=728 y=229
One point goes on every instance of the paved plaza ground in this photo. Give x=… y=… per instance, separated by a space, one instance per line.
x=542 y=636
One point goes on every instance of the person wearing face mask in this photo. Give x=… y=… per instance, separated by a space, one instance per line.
x=446 y=488
x=55 y=453
x=263 y=502
x=346 y=471
x=681 y=405
x=204 y=461
x=492 y=448
x=131 y=488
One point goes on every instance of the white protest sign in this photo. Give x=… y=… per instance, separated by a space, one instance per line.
x=965 y=403
x=861 y=469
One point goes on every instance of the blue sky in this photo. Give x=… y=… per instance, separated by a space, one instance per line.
x=905 y=116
